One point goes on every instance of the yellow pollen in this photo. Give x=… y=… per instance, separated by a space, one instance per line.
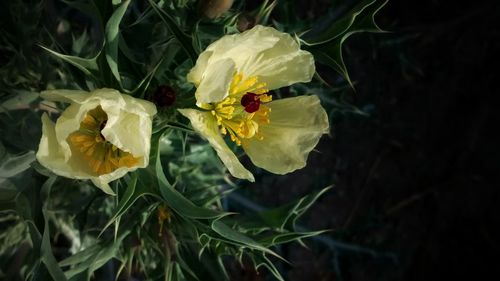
x=231 y=116
x=102 y=156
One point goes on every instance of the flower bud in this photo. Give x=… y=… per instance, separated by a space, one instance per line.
x=215 y=8
x=246 y=22
x=164 y=96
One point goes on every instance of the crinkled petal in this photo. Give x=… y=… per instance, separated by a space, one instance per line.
x=275 y=57
x=215 y=84
x=126 y=115
x=243 y=48
x=204 y=123
x=52 y=156
x=295 y=128
x=128 y=127
x=130 y=104
x=196 y=73
x=283 y=64
x=69 y=122
x=49 y=154
x=285 y=69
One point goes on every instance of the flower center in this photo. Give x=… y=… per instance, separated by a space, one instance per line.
x=241 y=112
x=251 y=102
x=102 y=156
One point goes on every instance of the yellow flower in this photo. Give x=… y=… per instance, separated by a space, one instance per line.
x=233 y=77
x=100 y=136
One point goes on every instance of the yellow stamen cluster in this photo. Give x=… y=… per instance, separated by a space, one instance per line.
x=101 y=156
x=231 y=115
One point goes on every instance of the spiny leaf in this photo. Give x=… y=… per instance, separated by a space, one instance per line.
x=81 y=256
x=144 y=83
x=241 y=239
x=325 y=31
x=47 y=256
x=282 y=218
x=174 y=199
x=87 y=66
x=184 y=40
x=129 y=197
x=260 y=260
x=326 y=43
x=84 y=264
x=12 y=165
x=282 y=238
x=112 y=38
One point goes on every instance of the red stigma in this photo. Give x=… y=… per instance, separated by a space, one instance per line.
x=251 y=102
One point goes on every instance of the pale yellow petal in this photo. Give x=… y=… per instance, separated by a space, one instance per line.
x=128 y=127
x=285 y=70
x=69 y=121
x=243 y=48
x=129 y=132
x=296 y=125
x=103 y=181
x=103 y=185
x=124 y=101
x=196 y=73
x=274 y=56
x=283 y=64
x=214 y=85
x=204 y=123
x=52 y=156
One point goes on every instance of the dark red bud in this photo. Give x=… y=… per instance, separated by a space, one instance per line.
x=164 y=96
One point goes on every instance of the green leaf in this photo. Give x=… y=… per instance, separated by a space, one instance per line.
x=282 y=238
x=333 y=57
x=144 y=83
x=126 y=201
x=184 y=39
x=13 y=165
x=40 y=242
x=265 y=10
x=112 y=38
x=174 y=199
x=282 y=218
x=325 y=43
x=8 y=194
x=87 y=66
x=232 y=235
x=47 y=256
x=89 y=260
x=327 y=31
x=261 y=260
x=81 y=256
x=18 y=100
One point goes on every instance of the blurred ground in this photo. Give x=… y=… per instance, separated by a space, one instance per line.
x=418 y=177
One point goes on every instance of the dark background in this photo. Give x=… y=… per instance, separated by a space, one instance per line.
x=416 y=180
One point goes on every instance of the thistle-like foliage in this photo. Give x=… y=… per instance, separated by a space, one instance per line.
x=136 y=70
